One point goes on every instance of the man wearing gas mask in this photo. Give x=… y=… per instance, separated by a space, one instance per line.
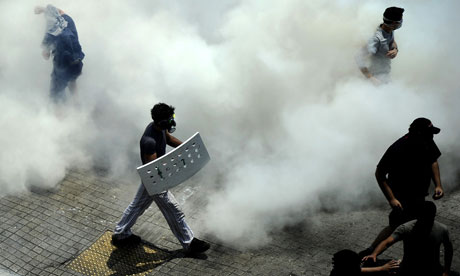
x=152 y=146
x=374 y=60
x=404 y=175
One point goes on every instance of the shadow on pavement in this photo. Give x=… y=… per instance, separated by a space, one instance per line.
x=142 y=258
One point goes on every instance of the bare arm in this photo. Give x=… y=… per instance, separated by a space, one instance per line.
x=172 y=141
x=46 y=51
x=363 y=56
x=150 y=157
x=384 y=245
x=382 y=181
x=394 y=45
x=438 y=190
x=393 y=264
x=40 y=9
x=366 y=72
x=361 y=59
x=369 y=75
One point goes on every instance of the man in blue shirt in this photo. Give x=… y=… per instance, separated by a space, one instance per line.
x=61 y=41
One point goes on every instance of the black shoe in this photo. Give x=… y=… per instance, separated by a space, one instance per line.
x=198 y=246
x=129 y=241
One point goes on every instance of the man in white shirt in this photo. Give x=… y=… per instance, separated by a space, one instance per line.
x=374 y=61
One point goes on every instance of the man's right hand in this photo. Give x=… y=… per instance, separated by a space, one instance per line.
x=370 y=257
x=395 y=204
x=392 y=53
x=438 y=193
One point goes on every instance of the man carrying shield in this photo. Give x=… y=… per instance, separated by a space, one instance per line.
x=152 y=146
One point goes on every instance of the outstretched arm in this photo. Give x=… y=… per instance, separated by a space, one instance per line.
x=40 y=9
x=380 y=248
x=393 y=264
x=369 y=75
x=382 y=181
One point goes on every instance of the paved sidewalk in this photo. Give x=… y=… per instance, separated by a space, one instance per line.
x=43 y=233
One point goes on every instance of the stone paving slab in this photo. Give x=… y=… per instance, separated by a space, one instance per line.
x=43 y=231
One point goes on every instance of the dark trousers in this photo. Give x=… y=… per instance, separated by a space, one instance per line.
x=60 y=78
x=409 y=212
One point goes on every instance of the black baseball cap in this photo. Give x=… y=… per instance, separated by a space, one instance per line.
x=423 y=124
x=393 y=14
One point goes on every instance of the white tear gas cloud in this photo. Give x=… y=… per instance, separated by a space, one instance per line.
x=291 y=125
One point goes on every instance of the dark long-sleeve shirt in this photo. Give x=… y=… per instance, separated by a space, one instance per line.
x=65 y=47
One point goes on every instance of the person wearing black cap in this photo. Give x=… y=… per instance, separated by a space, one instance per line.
x=374 y=60
x=405 y=172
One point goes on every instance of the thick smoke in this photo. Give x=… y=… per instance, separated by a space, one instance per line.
x=291 y=125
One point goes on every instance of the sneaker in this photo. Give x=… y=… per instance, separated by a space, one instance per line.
x=129 y=241
x=198 y=246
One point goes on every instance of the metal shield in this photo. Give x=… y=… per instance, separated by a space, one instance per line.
x=174 y=167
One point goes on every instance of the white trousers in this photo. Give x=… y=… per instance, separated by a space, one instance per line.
x=167 y=204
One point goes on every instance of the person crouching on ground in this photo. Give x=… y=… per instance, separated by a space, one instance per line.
x=422 y=240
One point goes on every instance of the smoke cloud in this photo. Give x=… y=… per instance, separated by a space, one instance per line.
x=291 y=125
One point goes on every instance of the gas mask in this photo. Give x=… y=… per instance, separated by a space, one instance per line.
x=168 y=124
x=393 y=24
x=397 y=24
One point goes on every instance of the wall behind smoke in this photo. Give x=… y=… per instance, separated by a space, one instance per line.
x=291 y=126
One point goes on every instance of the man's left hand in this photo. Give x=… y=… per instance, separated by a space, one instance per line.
x=438 y=193
x=46 y=54
x=392 y=53
x=391 y=265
